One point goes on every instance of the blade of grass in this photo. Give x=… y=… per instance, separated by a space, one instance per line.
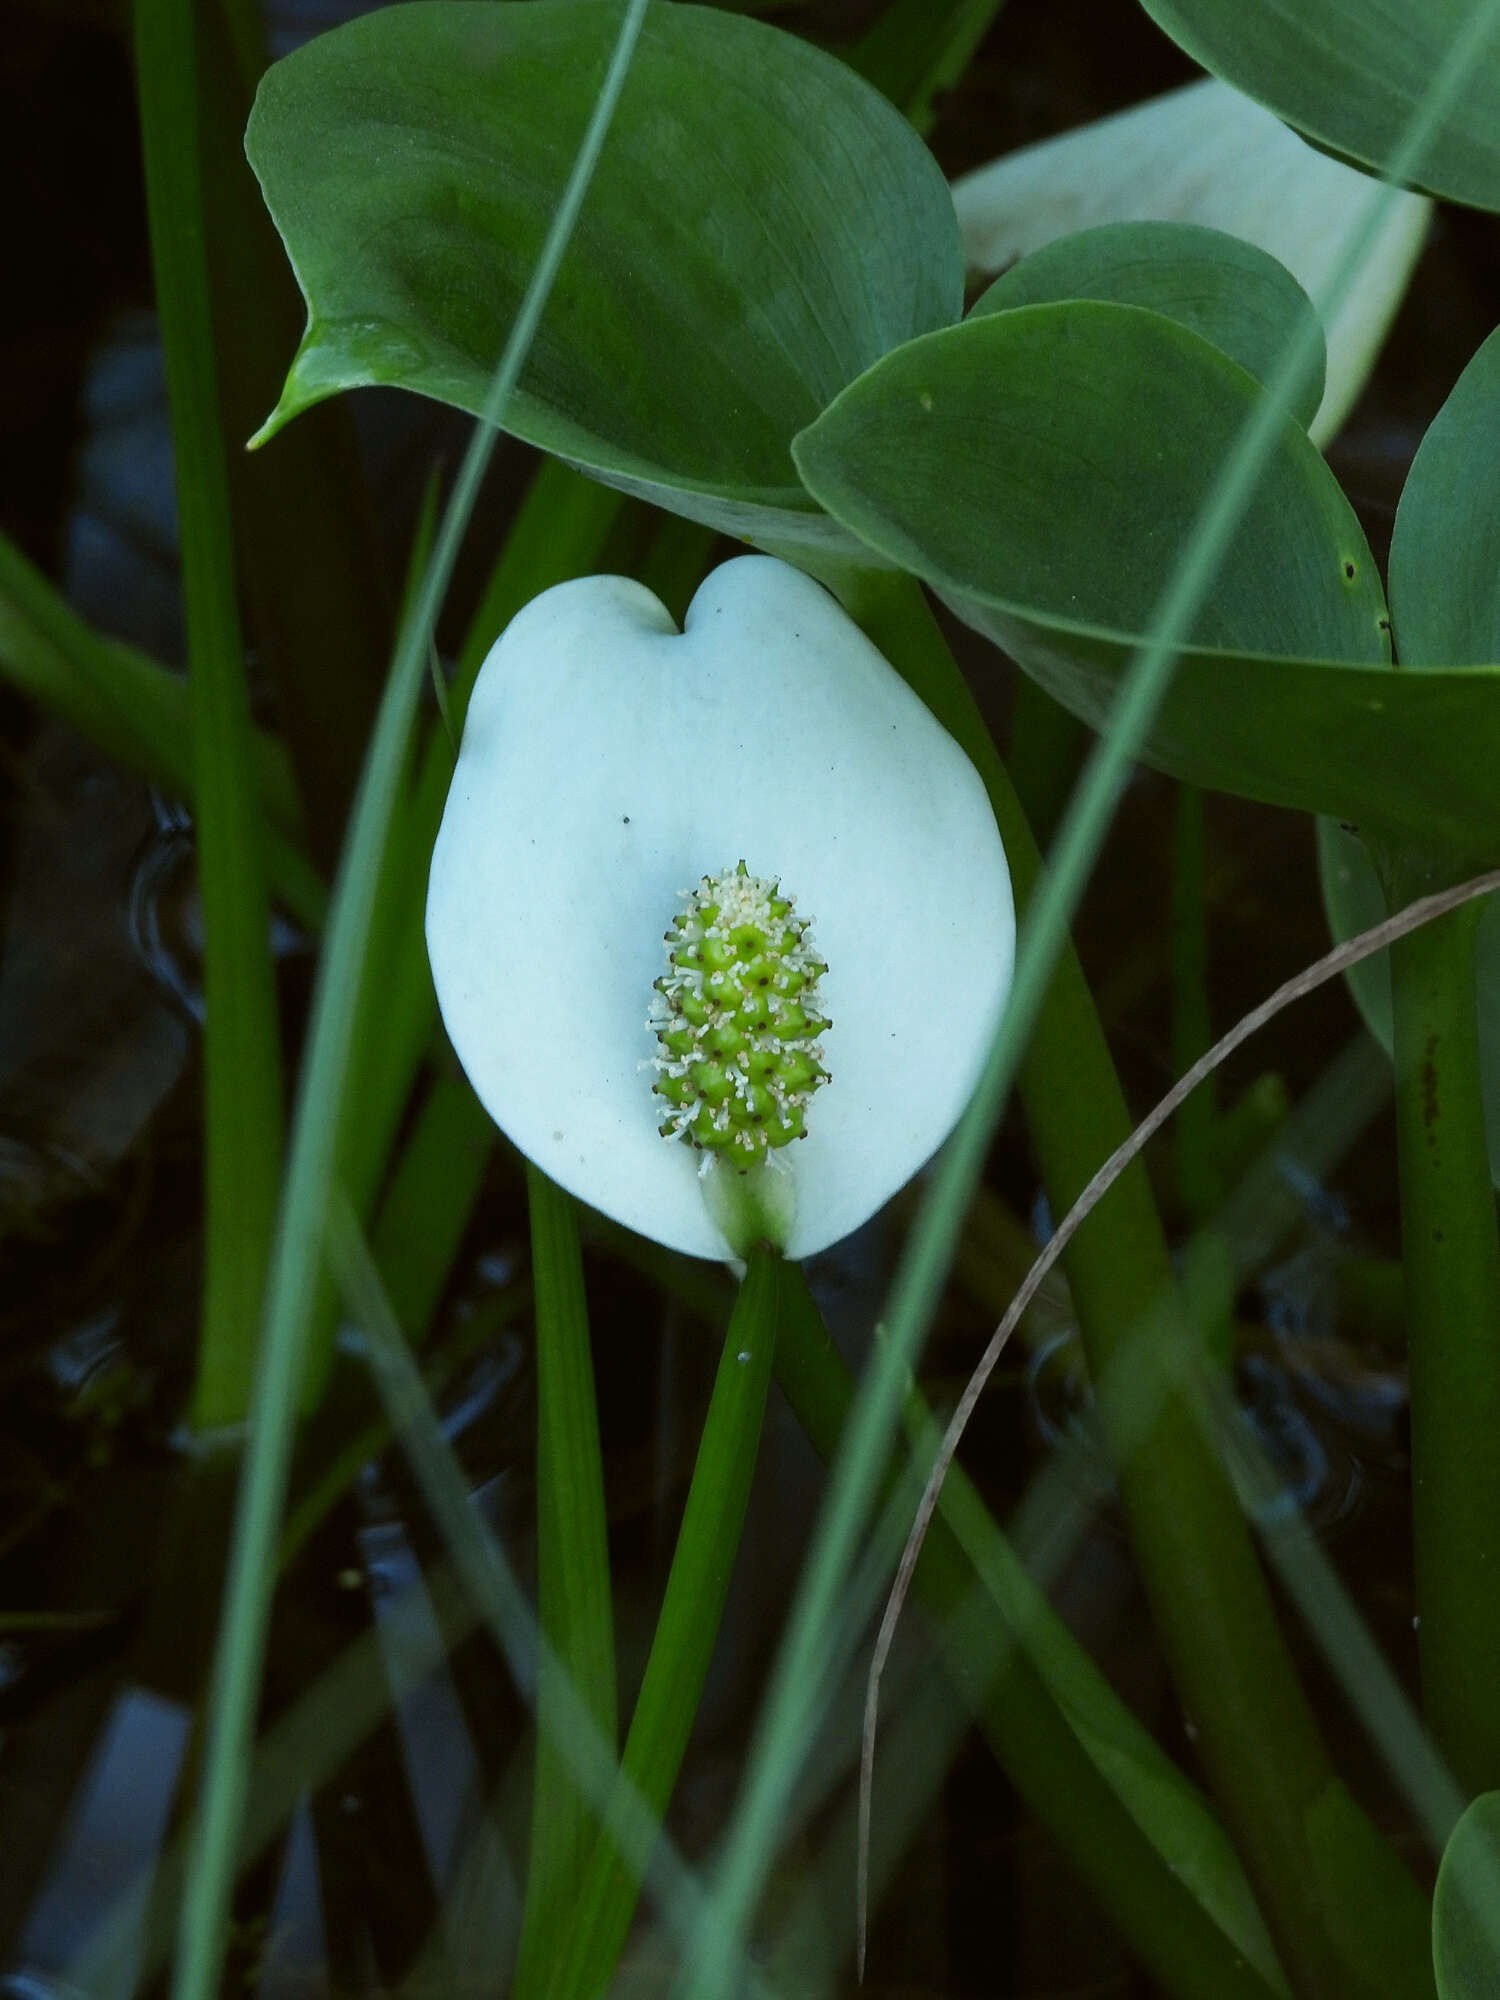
x=120 y=699
x=1192 y=1022
x=686 y=1630
x=561 y=525
x=393 y=1021
x=1450 y=1254
x=137 y=712
x=425 y=1210
x=1258 y=1740
x=558 y=533
x=1395 y=1729
x=1031 y=1686
x=574 y=1601
x=299 y=1240
x=478 y=1332
x=481 y=1563
x=562 y=530
x=1217 y=1260
x=1062 y=1788
x=1046 y=752
x=794 y=1691
x=315 y=591
x=809 y=1923
x=917 y=49
x=126 y=1950
x=242 y=1056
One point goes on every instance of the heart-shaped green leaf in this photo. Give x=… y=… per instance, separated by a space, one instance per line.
x=1466 y=1906
x=761 y=227
x=1445 y=549
x=1039 y=469
x=1234 y=295
x=1351 y=76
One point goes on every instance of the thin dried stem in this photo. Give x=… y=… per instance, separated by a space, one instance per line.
x=1340 y=959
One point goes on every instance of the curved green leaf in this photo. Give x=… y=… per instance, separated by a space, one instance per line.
x=1466 y=1906
x=1354 y=900
x=1226 y=290
x=1047 y=463
x=1350 y=74
x=1039 y=468
x=1445 y=549
x=763 y=226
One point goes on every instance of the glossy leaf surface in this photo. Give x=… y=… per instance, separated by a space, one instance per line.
x=1039 y=470
x=1351 y=75
x=1232 y=294
x=763 y=225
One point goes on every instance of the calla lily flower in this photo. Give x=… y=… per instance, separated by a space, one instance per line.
x=1207 y=153
x=609 y=765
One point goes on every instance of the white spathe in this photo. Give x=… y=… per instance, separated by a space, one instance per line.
x=1211 y=155
x=608 y=762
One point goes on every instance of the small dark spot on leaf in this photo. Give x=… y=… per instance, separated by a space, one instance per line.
x=1349 y=571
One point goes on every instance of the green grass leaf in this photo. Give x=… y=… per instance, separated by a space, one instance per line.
x=574 y=1603
x=1354 y=900
x=293 y=1287
x=241 y=1041
x=687 y=1627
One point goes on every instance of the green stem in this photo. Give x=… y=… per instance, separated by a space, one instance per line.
x=137 y=712
x=559 y=532
x=1198 y=1185
x=573 y=1592
x=917 y=49
x=297 y=1261
x=1323 y=1877
x=1049 y=747
x=1452 y=1265
x=242 y=1059
x=689 y=1621
x=315 y=583
x=429 y=1201
x=993 y=1641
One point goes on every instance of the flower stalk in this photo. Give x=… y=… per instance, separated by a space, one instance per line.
x=686 y=1629
x=1451 y=1258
